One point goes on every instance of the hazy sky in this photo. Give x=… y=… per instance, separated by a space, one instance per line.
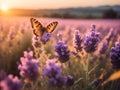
x=35 y=4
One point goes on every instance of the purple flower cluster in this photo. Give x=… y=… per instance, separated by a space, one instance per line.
x=29 y=67
x=103 y=47
x=36 y=42
x=10 y=83
x=77 y=41
x=28 y=54
x=69 y=80
x=62 y=51
x=45 y=37
x=91 y=41
x=59 y=82
x=115 y=55
x=52 y=70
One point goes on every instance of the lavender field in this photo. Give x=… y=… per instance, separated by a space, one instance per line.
x=78 y=55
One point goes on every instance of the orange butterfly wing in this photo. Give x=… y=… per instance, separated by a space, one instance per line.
x=51 y=27
x=37 y=27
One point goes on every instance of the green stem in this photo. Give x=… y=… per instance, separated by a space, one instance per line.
x=87 y=69
x=32 y=84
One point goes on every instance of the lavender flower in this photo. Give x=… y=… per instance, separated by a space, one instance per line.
x=45 y=37
x=77 y=41
x=11 y=83
x=28 y=55
x=52 y=69
x=103 y=47
x=115 y=55
x=59 y=37
x=91 y=41
x=69 y=81
x=59 y=82
x=21 y=29
x=29 y=67
x=36 y=42
x=11 y=34
x=62 y=51
x=109 y=35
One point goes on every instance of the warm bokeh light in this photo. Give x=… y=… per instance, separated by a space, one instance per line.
x=4 y=7
x=50 y=4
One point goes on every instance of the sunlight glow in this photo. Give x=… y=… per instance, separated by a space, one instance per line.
x=53 y=4
x=4 y=7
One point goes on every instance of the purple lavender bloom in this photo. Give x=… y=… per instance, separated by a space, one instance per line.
x=59 y=82
x=11 y=83
x=28 y=55
x=59 y=37
x=52 y=69
x=103 y=47
x=2 y=75
x=11 y=34
x=77 y=41
x=69 y=81
x=115 y=55
x=21 y=29
x=29 y=67
x=62 y=51
x=36 y=42
x=91 y=41
x=45 y=37
x=109 y=35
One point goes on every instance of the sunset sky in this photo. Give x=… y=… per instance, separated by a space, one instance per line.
x=51 y=4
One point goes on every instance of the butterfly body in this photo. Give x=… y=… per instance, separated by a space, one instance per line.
x=39 y=30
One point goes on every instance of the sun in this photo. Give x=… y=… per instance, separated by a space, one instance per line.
x=4 y=7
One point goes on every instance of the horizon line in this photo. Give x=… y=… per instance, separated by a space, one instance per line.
x=62 y=7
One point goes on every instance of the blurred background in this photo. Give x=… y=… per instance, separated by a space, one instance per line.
x=79 y=9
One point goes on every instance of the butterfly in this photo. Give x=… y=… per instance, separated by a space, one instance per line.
x=39 y=30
